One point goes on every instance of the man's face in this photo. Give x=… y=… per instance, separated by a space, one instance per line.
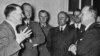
x=61 y=19
x=28 y=11
x=77 y=13
x=43 y=17
x=18 y=15
x=86 y=14
x=77 y=19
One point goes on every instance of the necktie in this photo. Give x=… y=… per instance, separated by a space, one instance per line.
x=61 y=29
x=77 y=26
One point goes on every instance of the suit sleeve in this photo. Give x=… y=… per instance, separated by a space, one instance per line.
x=90 y=44
x=8 y=46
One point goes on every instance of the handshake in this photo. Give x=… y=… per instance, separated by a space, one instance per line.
x=25 y=33
x=73 y=48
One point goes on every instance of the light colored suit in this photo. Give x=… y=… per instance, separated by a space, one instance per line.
x=8 y=43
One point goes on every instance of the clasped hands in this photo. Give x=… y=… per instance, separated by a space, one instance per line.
x=73 y=48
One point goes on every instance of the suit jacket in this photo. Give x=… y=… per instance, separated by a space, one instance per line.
x=37 y=37
x=89 y=44
x=8 y=43
x=43 y=49
x=58 y=42
x=78 y=31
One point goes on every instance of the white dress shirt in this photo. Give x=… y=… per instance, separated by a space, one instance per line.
x=78 y=25
x=62 y=27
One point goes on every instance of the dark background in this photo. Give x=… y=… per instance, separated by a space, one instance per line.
x=96 y=4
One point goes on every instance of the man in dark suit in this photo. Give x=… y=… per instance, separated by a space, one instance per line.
x=9 y=39
x=76 y=19
x=43 y=20
x=78 y=26
x=60 y=38
x=89 y=43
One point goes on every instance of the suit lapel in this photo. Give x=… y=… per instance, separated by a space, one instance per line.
x=94 y=25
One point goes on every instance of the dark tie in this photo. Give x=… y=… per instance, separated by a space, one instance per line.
x=27 y=24
x=61 y=29
x=82 y=28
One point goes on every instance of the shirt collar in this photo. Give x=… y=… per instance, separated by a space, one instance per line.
x=43 y=25
x=87 y=26
x=78 y=25
x=63 y=27
x=26 y=21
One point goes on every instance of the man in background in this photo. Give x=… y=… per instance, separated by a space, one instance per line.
x=78 y=26
x=44 y=18
x=60 y=37
x=29 y=45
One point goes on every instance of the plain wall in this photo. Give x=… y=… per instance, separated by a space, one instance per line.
x=52 y=6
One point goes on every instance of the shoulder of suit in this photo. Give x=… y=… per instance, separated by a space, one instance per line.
x=53 y=28
x=3 y=27
x=32 y=22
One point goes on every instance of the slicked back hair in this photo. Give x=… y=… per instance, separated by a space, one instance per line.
x=10 y=8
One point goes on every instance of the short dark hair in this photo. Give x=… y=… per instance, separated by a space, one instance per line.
x=24 y=4
x=63 y=13
x=76 y=10
x=10 y=8
x=43 y=11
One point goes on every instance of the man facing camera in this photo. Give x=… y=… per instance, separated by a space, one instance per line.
x=9 y=38
x=61 y=37
x=43 y=20
x=29 y=45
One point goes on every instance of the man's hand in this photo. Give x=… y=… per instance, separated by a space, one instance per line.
x=73 y=49
x=23 y=35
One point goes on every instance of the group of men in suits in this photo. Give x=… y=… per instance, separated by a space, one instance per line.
x=20 y=36
x=78 y=39
x=35 y=45
x=39 y=39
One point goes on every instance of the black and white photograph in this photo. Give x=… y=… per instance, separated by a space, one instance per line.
x=50 y=28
